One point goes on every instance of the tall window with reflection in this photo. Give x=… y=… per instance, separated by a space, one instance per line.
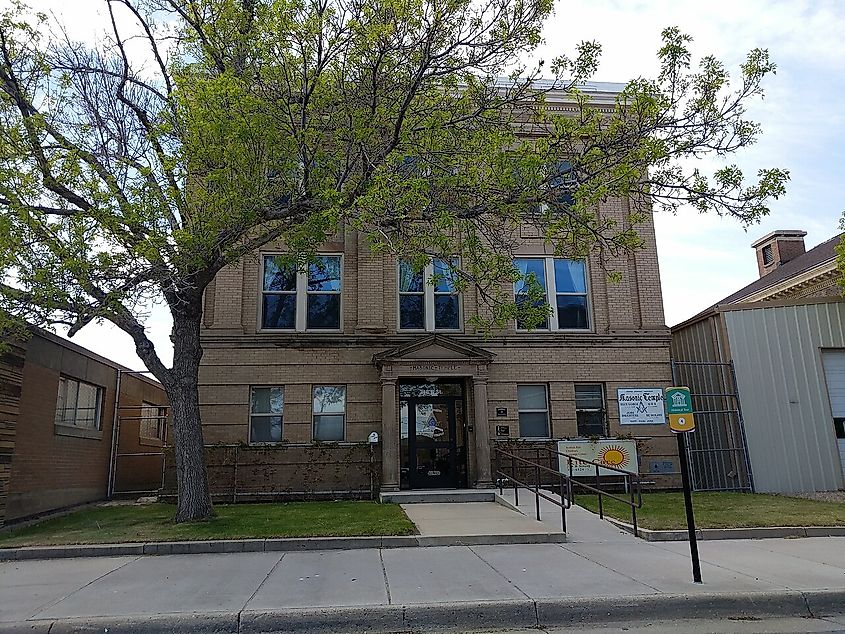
x=279 y=295
x=266 y=411
x=429 y=299
x=533 y=271
x=329 y=412
x=300 y=299
x=323 y=291
x=563 y=182
x=566 y=281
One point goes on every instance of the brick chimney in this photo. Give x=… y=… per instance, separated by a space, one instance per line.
x=778 y=248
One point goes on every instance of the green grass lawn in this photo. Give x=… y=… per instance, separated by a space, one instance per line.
x=665 y=511
x=154 y=522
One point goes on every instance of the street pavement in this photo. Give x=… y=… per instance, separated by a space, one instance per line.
x=457 y=588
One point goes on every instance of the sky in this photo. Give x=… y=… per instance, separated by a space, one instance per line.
x=703 y=258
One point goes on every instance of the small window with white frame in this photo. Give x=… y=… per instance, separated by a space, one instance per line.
x=329 y=412
x=533 y=406
x=266 y=414
x=567 y=281
x=301 y=299
x=429 y=299
x=79 y=404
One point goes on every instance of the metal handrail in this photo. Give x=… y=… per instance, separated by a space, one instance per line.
x=501 y=476
x=632 y=482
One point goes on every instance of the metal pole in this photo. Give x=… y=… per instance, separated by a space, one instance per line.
x=537 y=491
x=633 y=508
x=515 y=485
x=742 y=428
x=693 y=544
x=235 y=477
x=114 y=437
x=598 y=488
x=562 y=507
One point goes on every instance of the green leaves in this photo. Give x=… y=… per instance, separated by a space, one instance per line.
x=285 y=121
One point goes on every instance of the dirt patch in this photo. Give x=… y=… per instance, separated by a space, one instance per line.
x=820 y=496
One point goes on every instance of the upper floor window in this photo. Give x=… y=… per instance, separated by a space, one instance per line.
x=768 y=256
x=567 y=281
x=563 y=181
x=428 y=299
x=301 y=299
x=78 y=404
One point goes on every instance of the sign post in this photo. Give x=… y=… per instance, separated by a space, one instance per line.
x=682 y=422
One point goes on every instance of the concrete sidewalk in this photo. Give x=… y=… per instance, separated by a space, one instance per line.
x=456 y=588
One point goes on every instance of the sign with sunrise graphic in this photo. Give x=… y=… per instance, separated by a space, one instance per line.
x=620 y=454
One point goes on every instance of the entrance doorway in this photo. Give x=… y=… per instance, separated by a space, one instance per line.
x=432 y=435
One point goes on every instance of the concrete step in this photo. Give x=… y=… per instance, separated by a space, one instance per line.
x=435 y=496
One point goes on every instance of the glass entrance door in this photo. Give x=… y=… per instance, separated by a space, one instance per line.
x=432 y=433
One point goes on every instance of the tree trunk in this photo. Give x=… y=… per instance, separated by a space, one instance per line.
x=194 y=498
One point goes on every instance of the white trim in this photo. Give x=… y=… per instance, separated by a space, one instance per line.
x=301 y=317
x=546 y=411
x=789 y=282
x=314 y=414
x=428 y=300
x=551 y=293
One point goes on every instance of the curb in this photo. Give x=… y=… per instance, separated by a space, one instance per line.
x=768 y=532
x=465 y=616
x=273 y=545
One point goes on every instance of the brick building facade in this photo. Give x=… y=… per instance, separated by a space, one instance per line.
x=57 y=409
x=288 y=408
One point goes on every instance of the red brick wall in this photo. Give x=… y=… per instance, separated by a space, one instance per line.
x=51 y=470
x=54 y=467
x=135 y=472
x=11 y=375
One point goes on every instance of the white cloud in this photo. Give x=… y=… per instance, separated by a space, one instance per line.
x=706 y=258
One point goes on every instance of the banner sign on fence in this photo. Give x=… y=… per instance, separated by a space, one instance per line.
x=641 y=406
x=621 y=454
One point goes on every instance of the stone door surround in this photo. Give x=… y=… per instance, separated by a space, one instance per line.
x=433 y=356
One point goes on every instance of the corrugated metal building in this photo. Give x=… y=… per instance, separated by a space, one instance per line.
x=779 y=351
x=779 y=348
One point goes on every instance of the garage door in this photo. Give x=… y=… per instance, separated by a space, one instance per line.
x=834 y=370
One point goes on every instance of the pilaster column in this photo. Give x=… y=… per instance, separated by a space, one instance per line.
x=389 y=436
x=482 y=433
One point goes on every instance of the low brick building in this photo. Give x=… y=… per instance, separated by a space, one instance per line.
x=57 y=410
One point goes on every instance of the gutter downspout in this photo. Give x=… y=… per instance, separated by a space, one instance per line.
x=114 y=436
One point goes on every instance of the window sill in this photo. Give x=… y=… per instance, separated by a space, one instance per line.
x=419 y=331
x=559 y=331
x=286 y=331
x=77 y=432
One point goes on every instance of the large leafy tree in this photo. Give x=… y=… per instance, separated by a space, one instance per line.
x=196 y=131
